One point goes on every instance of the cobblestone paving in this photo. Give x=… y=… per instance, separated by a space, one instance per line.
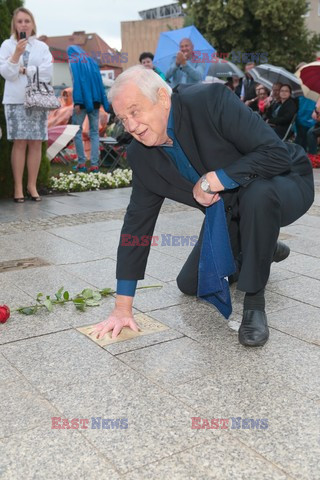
x=76 y=219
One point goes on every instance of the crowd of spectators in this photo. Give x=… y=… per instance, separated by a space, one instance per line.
x=291 y=118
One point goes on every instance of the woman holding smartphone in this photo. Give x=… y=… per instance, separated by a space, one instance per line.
x=20 y=55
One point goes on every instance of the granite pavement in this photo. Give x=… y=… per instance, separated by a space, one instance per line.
x=187 y=402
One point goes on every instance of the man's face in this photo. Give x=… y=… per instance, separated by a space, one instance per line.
x=276 y=91
x=186 y=47
x=144 y=120
x=147 y=62
x=247 y=69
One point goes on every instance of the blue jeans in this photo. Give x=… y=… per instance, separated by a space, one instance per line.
x=94 y=135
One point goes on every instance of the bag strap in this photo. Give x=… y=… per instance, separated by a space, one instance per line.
x=37 y=74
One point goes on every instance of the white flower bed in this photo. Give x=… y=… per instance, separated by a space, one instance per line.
x=81 y=182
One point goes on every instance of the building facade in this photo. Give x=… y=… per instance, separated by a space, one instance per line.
x=313 y=16
x=142 y=35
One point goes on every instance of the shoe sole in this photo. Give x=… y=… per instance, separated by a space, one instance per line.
x=255 y=344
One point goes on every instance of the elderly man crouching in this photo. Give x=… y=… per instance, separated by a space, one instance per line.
x=199 y=146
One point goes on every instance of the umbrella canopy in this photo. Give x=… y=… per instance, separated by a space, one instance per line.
x=223 y=68
x=210 y=79
x=59 y=137
x=267 y=75
x=168 y=47
x=310 y=78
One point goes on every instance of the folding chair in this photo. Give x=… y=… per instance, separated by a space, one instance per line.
x=112 y=150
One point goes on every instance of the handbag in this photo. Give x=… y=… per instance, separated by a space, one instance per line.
x=40 y=95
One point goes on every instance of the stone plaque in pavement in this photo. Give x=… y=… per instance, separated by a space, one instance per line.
x=22 y=263
x=146 y=324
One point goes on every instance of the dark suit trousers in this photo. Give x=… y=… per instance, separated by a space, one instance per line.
x=258 y=212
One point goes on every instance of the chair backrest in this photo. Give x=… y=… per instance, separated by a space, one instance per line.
x=119 y=133
x=289 y=128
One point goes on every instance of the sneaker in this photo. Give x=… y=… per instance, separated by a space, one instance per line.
x=94 y=169
x=81 y=167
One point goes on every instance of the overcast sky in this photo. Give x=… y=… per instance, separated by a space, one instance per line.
x=63 y=17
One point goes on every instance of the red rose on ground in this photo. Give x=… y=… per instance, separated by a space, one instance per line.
x=4 y=313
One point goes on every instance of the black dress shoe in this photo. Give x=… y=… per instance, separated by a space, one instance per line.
x=281 y=253
x=34 y=199
x=19 y=200
x=253 y=331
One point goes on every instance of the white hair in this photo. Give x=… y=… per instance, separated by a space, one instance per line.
x=148 y=81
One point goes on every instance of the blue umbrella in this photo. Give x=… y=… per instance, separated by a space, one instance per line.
x=168 y=47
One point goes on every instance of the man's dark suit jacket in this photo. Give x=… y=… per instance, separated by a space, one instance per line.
x=215 y=130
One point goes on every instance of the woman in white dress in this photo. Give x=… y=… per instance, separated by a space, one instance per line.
x=19 y=57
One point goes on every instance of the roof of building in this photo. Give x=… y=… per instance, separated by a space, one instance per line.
x=165 y=11
x=91 y=43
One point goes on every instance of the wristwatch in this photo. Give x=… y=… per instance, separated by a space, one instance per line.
x=205 y=185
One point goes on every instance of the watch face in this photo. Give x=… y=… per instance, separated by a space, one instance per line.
x=205 y=185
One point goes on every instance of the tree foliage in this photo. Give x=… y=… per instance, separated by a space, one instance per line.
x=5 y=147
x=276 y=27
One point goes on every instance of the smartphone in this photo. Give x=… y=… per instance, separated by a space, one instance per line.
x=23 y=35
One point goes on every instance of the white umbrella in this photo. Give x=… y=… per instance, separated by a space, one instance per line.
x=210 y=79
x=267 y=75
x=224 y=68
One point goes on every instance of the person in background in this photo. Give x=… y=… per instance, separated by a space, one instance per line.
x=282 y=115
x=248 y=89
x=63 y=115
x=88 y=96
x=146 y=59
x=237 y=84
x=183 y=69
x=274 y=98
x=20 y=56
x=259 y=104
x=304 y=121
x=229 y=84
x=314 y=132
